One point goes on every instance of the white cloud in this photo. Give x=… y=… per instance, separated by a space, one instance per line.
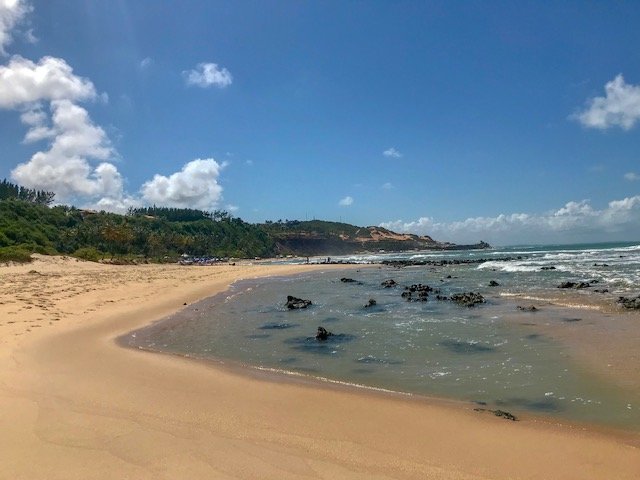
x=575 y=221
x=346 y=201
x=23 y=81
x=12 y=13
x=631 y=176
x=392 y=153
x=620 y=107
x=74 y=141
x=232 y=208
x=145 y=63
x=387 y=186
x=207 y=75
x=195 y=186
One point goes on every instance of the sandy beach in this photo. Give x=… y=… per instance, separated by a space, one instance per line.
x=75 y=404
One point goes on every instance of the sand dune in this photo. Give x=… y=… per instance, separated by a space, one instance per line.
x=73 y=404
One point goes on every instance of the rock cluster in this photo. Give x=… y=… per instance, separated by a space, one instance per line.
x=630 y=302
x=417 y=293
x=574 y=285
x=467 y=299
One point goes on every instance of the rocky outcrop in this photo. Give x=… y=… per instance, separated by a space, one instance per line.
x=389 y=283
x=371 y=303
x=294 y=303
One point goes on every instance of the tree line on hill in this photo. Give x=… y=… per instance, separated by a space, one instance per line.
x=28 y=224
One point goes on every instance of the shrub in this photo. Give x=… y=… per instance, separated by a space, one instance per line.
x=89 y=253
x=15 y=254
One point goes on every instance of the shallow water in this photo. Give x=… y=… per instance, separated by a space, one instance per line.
x=490 y=353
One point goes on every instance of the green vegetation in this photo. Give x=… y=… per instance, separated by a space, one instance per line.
x=159 y=234
x=27 y=224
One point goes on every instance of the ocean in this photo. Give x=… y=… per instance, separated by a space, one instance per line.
x=492 y=355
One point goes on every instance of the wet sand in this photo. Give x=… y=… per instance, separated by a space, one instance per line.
x=74 y=404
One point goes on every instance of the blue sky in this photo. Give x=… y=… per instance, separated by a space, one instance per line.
x=512 y=122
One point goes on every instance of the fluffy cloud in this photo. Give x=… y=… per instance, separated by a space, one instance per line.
x=208 y=75
x=346 y=201
x=631 y=176
x=12 y=12
x=23 y=81
x=619 y=107
x=392 y=153
x=575 y=221
x=387 y=186
x=195 y=186
x=64 y=167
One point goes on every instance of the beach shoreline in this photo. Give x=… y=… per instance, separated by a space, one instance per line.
x=75 y=404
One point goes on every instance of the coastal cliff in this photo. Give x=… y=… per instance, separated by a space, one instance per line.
x=318 y=237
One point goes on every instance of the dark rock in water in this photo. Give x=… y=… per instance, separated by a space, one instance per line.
x=530 y=308
x=467 y=299
x=493 y=283
x=569 y=320
x=498 y=413
x=505 y=415
x=417 y=293
x=323 y=334
x=448 y=276
x=600 y=265
x=458 y=346
x=277 y=326
x=574 y=285
x=348 y=280
x=294 y=303
x=371 y=303
x=548 y=268
x=389 y=283
x=601 y=290
x=630 y=302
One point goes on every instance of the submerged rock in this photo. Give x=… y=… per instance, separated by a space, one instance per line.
x=498 y=413
x=348 y=280
x=530 y=308
x=323 y=334
x=389 y=283
x=493 y=283
x=294 y=303
x=371 y=303
x=577 y=285
x=548 y=268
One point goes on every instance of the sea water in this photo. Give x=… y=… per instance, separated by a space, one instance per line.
x=491 y=354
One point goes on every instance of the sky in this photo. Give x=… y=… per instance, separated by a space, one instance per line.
x=510 y=122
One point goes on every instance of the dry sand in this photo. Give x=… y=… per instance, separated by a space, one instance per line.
x=74 y=404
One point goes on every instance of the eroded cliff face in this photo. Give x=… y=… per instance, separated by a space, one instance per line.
x=369 y=239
